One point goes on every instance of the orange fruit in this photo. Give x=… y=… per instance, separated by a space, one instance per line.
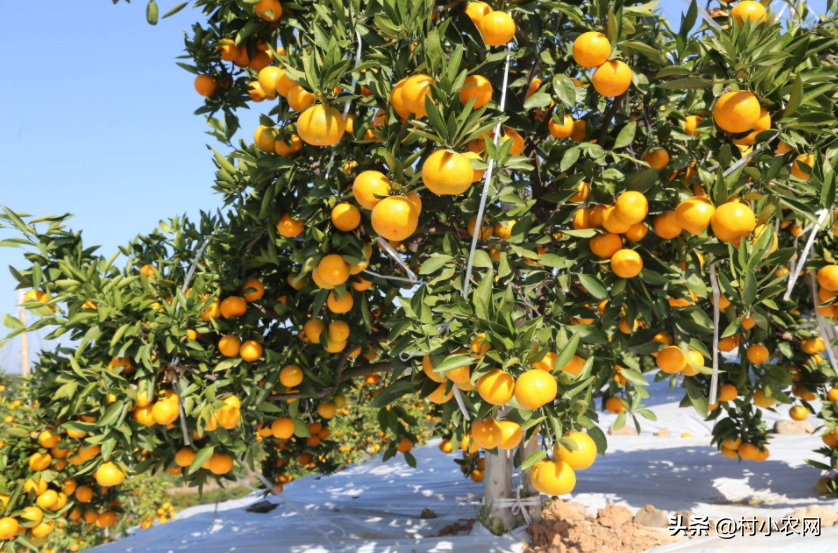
x=750 y=10
x=631 y=207
x=290 y=376
x=798 y=413
x=828 y=278
x=397 y=100
x=486 y=433
x=299 y=98
x=615 y=405
x=184 y=457
x=395 y=218
x=763 y=401
x=657 y=158
x=288 y=227
x=228 y=48
x=666 y=225
x=583 y=456
x=694 y=214
x=333 y=270
x=636 y=232
x=220 y=464
x=8 y=528
x=109 y=475
x=797 y=169
x=476 y=86
x=339 y=305
x=288 y=145
x=732 y=221
x=812 y=345
x=583 y=190
x=691 y=122
x=165 y=412
x=233 y=307
x=447 y=173
x=563 y=130
x=497 y=28
x=368 y=185
x=253 y=290
x=251 y=351
x=496 y=387
x=606 y=245
x=672 y=359
x=611 y=220
x=763 y=124
x=346 y=217
x=736 y=111
x=535 y=388
x=626 y=263
x=265 y=138
x=757 y=354
x=255 y=92
x=439 y=396
x=553 y=477
x=282 y=428
x=321 y=125
x=580 y=131
x=229 y=345
x=591 y=49
x=405 y=445
x=268 y=79
x=414 y=91
x=476 y=11
x=511 y=434
x=612 y=78
x=582 y=219
x=205 y=85
x=269 y=10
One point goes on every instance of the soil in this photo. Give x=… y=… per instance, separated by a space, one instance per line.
x=567 y=528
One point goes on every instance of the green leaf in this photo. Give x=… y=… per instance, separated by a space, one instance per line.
x=151 y=12
x=594 y=286
x=176 y=9
x=456 y=361
x=794 y=98
x=200 y=458
x=686 y=84
x=12 y=322
x=626 y=135
x=567 y=353
x=533 y=458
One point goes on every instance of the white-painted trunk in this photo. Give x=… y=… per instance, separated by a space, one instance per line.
x=498 y=519
x=527 y=449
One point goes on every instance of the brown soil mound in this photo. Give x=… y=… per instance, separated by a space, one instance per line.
x=566 y=528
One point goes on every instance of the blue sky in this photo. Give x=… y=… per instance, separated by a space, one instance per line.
x=97 y=121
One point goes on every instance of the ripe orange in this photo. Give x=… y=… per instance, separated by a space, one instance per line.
x=631 y=207
x=339 y=305
x=582 y=219
x=439 y=396
x=636 y=232
x=108 y=475
x=447 y=173
x=584 y=454
x=288 y=144
x=511 y=434
x=251 y=351
x=288 y=227
x=39 y=461
x=553 y=477
x=733 y=221
x=476 y=11
x=798 y=413
x=333 y=270
x=580 y=130
x=229 y=345
x=414 y=91
x=691 y=122
x=828 y=278
x=736 y=111
x=255 y=92
x=486 y=433
x=497 y=28
x=757 y=354
x=797 y=166
x=591 y=49
x=612 y=78
x=253 y=290
x=666 y=225
x=395 y=218
x=165 y=412
x=812 y=345
x=229 y=50
x=626 y=263
x=405 y=445
x=291 y=376
x=321 y=125
x=219 y=464
x=268 y=78
x=762 y=124
x=233 y=307
x=8 y=528
x=535 y=388
x=205 y=85
x=368 y=185
x=299 y=99
x=750 y=10
x=496 y=387
x=184 y=457
x=672 y=359
x=476 y=86
x=327 y=410
x=606 y=245
x=269 y=10
x=563 y=130
x=397 y=100
x=265 y=138
x=346 y=217
x=282 y=428
x=694 y=214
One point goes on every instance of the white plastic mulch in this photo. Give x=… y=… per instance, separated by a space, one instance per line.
x=376 y=507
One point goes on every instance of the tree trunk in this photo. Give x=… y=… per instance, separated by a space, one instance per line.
x=527 y=449
x=498 y=486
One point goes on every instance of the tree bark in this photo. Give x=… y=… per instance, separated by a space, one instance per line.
x=527 y=449
x=498 y=486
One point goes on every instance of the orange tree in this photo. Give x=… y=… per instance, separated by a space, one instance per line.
x=519 y=211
